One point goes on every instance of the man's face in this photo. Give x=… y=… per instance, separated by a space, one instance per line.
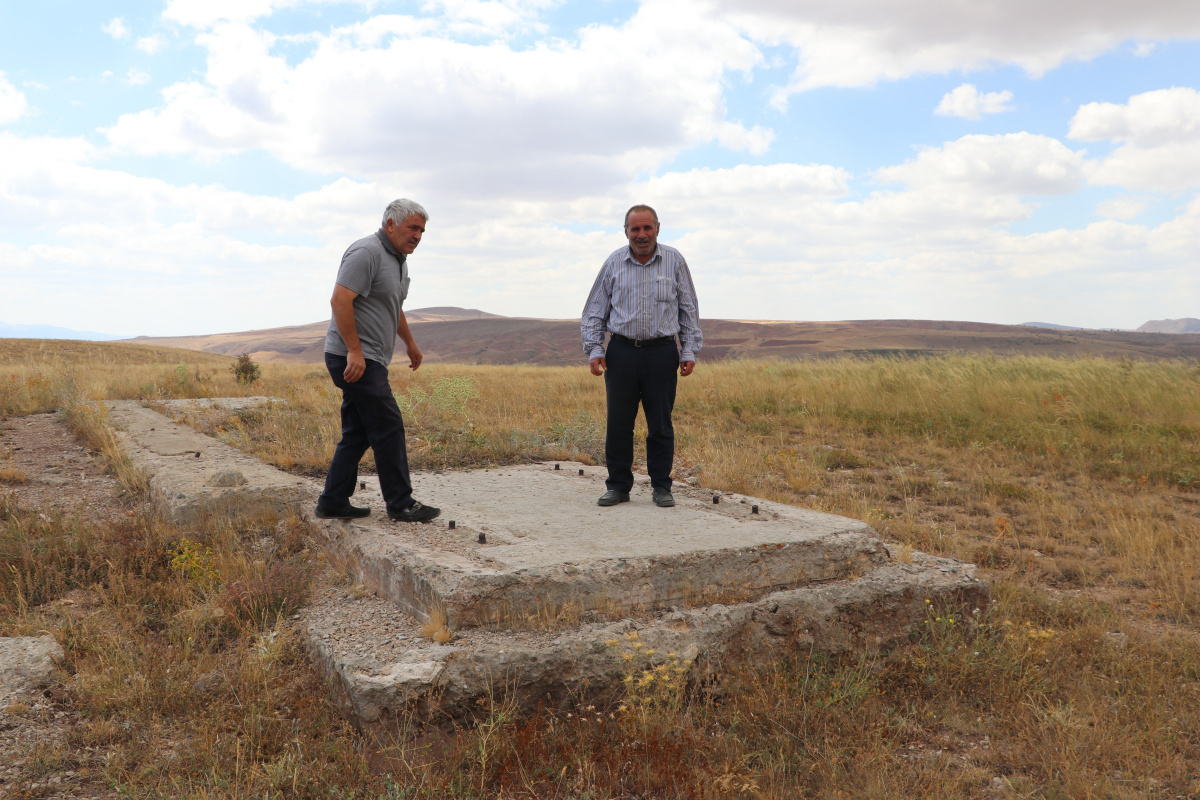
x=407 y=235
x=642 y=232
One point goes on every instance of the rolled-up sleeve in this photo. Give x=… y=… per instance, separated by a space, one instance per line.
x=690 y=337
x=594 y=323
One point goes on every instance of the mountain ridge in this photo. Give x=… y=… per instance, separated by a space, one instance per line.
x=471 y=336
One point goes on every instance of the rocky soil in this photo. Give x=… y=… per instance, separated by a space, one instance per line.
x=37 y=722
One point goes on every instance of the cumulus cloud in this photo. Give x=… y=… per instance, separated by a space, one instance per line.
x=968 y=102
x=136 y=77
x=764 y=241
x=1013 y=163
x=1159 y=133
x=151 y=44
x=860 y=42
x=558 y=118
x=116 y=28
x=13 y=105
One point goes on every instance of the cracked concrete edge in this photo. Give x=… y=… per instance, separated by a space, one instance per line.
x=448 y=684
x=181 y=487
x=419 y=585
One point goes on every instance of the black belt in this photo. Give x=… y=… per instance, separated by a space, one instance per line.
x=659 y=342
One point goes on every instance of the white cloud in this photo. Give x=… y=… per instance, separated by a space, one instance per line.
x=764 y=241
x=116 y=28
x=151 y=44
x=968 y=102
x=555 y=118
x=1014 y=163
x=1159 y=133
x=1125 y=207
x=862 y=42
x=13 y=105
x=136 y=77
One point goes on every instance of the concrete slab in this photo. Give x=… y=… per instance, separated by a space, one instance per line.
x=389 y=678
x=193 y=474
x=198 y=404
x=542 y=590
x=531 y=545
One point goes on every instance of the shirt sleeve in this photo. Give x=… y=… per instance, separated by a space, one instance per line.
x=358 y=270
x=594 y=323
x=690 y=337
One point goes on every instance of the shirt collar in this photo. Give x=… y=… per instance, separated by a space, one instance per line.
x=629 y=255
x=387 y=244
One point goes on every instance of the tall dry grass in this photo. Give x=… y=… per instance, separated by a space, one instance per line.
x=1073 y=483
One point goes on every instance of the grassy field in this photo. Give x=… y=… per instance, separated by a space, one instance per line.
x=1074 y=484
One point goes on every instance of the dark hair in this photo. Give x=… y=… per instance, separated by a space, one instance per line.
x=640 y=207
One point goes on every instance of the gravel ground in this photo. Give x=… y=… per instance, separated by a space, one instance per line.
x=37 y=758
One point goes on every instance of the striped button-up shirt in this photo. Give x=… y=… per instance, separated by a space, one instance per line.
x=643 y=301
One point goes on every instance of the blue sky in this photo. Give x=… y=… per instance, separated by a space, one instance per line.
x=198 y=166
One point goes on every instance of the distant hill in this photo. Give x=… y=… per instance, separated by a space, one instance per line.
x=51 y=332
x=1185 y=325
x=304 y=344
x=474 y=337
x=1052 y=326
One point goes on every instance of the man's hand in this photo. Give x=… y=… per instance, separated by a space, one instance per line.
x=686 y=367
x=356 y=365
x=414 y=357
x=599 y=365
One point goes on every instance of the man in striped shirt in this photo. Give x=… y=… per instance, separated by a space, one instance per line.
x=645 y=299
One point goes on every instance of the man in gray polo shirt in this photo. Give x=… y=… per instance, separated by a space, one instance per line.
x=368 y=315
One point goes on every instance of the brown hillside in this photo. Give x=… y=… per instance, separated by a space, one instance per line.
x=467 y=336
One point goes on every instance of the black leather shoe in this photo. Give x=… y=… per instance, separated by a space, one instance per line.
x=612 y=497
x=663 y=498
x=417 y=512
x=342 y=512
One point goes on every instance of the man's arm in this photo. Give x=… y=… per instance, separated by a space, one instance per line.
x=414 y=355
x=594 y=323
x=690 y=337
x=343 y=317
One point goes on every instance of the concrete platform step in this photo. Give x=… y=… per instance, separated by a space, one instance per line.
x=193 y=475
x=389 y=677
x=529 y=544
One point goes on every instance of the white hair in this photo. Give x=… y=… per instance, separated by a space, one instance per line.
x=400 y=210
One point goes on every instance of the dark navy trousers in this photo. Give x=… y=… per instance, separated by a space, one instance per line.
x=370 y=418
x=645 y=376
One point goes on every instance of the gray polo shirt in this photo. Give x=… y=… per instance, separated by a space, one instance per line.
x=373 y=269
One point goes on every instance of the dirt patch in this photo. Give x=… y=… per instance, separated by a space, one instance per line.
x=50 y=471
x=53 y=471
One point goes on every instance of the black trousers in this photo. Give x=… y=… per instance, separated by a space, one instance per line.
x=370 y=418
x=646 y=376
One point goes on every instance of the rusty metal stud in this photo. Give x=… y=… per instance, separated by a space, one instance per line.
x=362 y=484
x=558 y=466
x=580 y=472
x=451 y=524
x=753 y=509
x=716 y=499
x=482 y=537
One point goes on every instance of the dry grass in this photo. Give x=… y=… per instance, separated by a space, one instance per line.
x=1075 y=484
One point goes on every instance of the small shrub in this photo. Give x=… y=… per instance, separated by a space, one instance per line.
x=245 y=370
x=842 y=459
